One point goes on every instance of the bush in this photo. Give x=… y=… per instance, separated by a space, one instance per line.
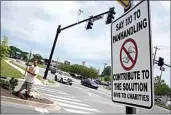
x=107 y=78
x=9 y=84
x=5 y=84
x=13 y=82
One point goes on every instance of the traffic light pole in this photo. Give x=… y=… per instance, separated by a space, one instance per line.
x=51 y=54
x=57 y=34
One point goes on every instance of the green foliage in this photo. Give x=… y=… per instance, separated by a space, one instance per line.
x=42 y=66
x=107 y=78
x=93 y=73
x=106 y=71
x=9 y=84
x=9 y=71
x=51 y=81
x=13 y=51
x=23 y=68
x=65 y=67
x=13 y=82
x=161 y=88
x=4 y=47
x=38 y=57
x=5 y=84
x=40 y=78
x=24 y=54
x=80 y=70
x=162 y=105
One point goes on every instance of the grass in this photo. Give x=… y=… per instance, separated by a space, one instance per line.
x=42 y=66
x=40 y=78
x=9 y=71
x=163 y=105
x=23 y=68
x=51 y=81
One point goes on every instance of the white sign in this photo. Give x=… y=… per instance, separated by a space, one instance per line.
x=162 y=68
x=132 y=65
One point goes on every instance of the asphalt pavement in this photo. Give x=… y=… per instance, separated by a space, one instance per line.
x=77 y=99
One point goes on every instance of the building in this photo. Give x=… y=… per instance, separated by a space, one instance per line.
x=67 y=62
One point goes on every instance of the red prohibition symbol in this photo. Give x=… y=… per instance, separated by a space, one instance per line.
x=127 y=52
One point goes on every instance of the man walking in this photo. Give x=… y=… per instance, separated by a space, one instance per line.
x=32 y=71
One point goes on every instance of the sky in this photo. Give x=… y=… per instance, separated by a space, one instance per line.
x=32 y=25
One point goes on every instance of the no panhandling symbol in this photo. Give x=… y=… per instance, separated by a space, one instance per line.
x=130 y=50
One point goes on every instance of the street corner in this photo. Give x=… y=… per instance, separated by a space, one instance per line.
x=50 y=107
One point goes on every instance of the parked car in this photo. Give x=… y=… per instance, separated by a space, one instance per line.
x=63 y=77
x=89 y=83
x=72 y=74
x=104 y=83
x=157 y=99
x=168 y=104
x=97 y=81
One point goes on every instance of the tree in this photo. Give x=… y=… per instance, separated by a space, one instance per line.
x=106 y=71
x=107 y=78
x=38 y=57
x=160 y=87
x=93 y=73
x=4 y=47
x=80 y=70
x=13 y=51
x=64 y=67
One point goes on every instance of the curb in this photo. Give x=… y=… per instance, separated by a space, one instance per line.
x=50 y=107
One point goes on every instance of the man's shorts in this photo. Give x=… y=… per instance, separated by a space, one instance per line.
x=27 y=85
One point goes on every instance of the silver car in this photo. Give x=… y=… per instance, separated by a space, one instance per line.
x=63 y=77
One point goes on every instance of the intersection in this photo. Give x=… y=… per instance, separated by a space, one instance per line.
x=76 y=99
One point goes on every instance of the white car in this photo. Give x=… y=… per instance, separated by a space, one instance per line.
x=63 y=77
x=168 y=104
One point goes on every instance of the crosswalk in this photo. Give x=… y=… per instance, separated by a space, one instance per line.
x=69 y=103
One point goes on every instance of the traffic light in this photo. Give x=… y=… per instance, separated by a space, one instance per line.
x=161 y=61
x=110 y=16
x=89 y=24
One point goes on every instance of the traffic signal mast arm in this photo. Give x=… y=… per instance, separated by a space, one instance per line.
x=84 y=20
x=163 y=64
x=61 y=29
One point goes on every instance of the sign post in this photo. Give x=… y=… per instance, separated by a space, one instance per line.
x=132 y=63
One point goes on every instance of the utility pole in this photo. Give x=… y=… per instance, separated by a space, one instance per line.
x=156 y=48
x=57 y=62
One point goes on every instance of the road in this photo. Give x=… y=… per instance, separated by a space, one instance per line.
x=77 y=99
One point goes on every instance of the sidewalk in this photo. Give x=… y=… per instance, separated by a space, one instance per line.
x=36 y=82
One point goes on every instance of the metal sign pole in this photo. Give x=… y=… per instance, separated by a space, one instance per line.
x=130 y=110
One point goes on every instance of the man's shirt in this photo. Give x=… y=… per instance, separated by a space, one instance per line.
x=31 y=78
